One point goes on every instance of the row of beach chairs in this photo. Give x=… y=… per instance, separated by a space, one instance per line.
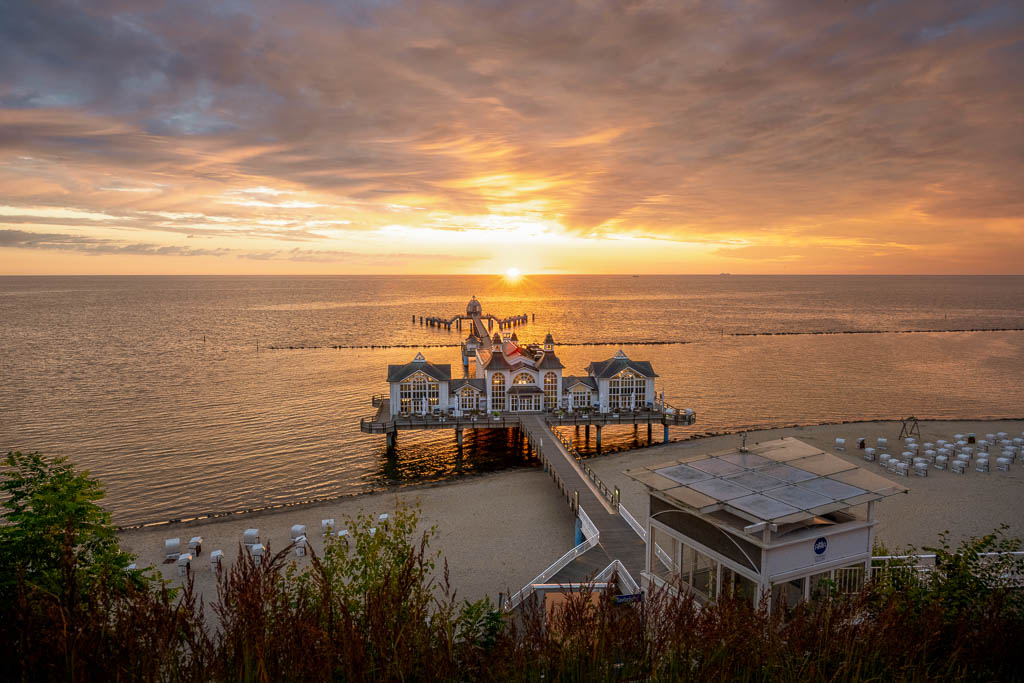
x=957 y=454
x=251 y=542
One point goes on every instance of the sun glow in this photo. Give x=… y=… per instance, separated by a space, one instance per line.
x=513 y=275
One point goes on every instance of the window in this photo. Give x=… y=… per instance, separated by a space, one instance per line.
x=467 y=398
x=498 y=392
x=738 y=586
x=418 y=393
x=664 y=555
x=787 y=594
x=550 y=391
x=626 y=391
x=580 y=397
x=523 y=378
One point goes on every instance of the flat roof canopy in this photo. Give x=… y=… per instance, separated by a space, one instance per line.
x=780 y=481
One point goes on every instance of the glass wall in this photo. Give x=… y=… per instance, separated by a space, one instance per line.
x=738 y=586
x=418 y=394
x=625 y=391
x=498 y=392
x=550 y=391
x=467 y=398
x=788 y=593
x=580 y=397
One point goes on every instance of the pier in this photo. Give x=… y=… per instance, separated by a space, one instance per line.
x=511 y=384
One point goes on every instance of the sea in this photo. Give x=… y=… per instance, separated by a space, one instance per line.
x=192 y=396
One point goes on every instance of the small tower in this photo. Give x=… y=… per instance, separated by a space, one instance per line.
x=497 y=339
x=549 y=343
x=514 y=338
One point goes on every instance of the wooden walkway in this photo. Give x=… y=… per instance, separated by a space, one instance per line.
x=618 y=540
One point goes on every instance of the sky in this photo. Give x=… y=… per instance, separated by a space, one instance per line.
x=380 y=136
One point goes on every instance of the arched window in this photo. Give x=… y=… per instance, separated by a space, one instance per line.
x=625 y=391
x=523 y=378
x=418 y=393
x=498 y=392
x=467 y=398
x=550 y=391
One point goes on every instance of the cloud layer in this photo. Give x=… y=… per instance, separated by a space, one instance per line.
x=582 y=136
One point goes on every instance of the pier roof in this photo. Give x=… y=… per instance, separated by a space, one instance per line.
x=496 y=361
x=442 y=373
x=475 y=382
x=549 y=361
x=525 y=389
x=569 y=381
x=617 y=363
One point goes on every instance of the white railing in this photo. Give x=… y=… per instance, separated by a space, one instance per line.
x=633 y=524
x=558 y=565
x=588 y=527
x=925 y=564
x=626 y=582
x=591 y=537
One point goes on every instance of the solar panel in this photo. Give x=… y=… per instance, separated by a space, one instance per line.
x=684 y=474
x=716 y=466
x=786 y=473
x=755 y=481
x=763 y=507
x=801 y=498
x=720 y=489
x=747 y=460
x=836 y=490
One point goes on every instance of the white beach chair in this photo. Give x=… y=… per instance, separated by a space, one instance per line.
x=326 y=525
x=907 y=456
x=343 y=533
x=373 y=531
x=930 y=455
x=1003 y=464
x=861 y=443
x=981 y=465
x=869 y=454
x=300 y=546
x=216 y=558
x=941 y=443
x=902 y=468
x=928 y=445
x=382 y=518
x=184 y=564
x=883 y=459
x=172 y=549
x=1001 y=435
x=195 y=545
x=298 y=530
x=250 y=537
x=991 y=438
x=940 y=462
x=883 y=443
x=892 y=464
x=840 y=444
x=959 y=437
x=921 y=469
x=958 y=467
x=258 y=551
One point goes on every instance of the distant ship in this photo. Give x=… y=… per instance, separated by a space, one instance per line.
x=725 y=273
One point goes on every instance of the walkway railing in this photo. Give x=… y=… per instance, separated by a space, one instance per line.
x=592 y=536
x=591 y=474
x=925 y=564
x=633 y=524
x=669 y=415
x=370 y=425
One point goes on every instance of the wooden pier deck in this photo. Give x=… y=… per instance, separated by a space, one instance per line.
x=618 y=541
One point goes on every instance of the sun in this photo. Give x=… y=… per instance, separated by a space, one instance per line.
x=513 y=274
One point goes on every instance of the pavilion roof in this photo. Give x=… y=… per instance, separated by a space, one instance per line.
x=780 y=481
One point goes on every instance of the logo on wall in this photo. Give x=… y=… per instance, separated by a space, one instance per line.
x=820 y=546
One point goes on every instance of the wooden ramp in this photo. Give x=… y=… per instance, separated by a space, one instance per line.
x=618 y=540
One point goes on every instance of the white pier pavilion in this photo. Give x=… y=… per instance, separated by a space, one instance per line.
x=777 y=518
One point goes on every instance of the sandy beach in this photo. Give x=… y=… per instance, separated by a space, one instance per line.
x=498 y=531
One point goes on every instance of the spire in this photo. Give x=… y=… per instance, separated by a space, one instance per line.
x=549 y=343
x=419 y=358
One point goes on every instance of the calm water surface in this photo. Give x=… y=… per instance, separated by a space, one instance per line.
x=155 y=385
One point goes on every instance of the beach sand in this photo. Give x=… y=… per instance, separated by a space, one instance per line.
x=972 y=504
x=499 y=531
